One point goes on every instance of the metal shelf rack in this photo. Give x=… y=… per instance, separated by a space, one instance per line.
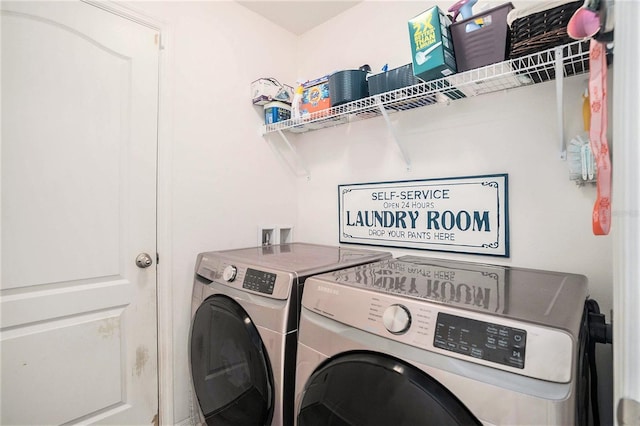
x=562 y=61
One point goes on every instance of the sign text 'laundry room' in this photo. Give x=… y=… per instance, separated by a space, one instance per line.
x=464 y=214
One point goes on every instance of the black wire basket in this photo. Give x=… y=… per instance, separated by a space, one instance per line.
x=542 y=30
x=547 y=29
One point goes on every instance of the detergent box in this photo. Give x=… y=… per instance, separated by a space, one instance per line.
x=431 y=47
x=315 y=95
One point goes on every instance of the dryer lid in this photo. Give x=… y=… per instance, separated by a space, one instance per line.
x=301 y=258
x=544 y=297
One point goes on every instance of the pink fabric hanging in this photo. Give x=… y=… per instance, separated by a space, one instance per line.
x=601 y=218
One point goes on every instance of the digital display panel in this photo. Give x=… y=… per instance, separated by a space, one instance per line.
x=479 y=339
x=259 y=281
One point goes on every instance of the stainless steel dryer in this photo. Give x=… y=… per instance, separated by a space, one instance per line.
x=245 y=313
x=418 y=341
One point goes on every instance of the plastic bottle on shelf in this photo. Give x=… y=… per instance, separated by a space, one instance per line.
x=297 y=102
x=465 y=9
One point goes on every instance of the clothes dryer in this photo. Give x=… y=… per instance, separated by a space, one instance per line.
x=245 y=314
x=419 y=341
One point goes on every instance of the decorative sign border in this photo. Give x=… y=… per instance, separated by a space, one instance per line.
x=459 y=214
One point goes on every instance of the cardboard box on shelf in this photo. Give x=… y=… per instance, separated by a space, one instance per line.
x=431 y=48
x=315 y=96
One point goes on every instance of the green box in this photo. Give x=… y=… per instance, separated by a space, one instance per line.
x=431 y=47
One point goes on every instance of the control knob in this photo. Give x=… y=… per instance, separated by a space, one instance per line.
x=229 y=273
x=397 y=319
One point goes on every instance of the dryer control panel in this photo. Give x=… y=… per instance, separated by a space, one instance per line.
x=480 y=339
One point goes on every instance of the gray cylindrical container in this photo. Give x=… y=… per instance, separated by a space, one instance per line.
x=348 y=85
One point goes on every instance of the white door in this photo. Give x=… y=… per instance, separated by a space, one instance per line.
x=79 y=140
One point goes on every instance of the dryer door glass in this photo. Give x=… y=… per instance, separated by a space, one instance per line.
x=229 y=365
x=375 y=389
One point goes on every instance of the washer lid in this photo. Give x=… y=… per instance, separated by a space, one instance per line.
x=301 y=258
x=543 y=297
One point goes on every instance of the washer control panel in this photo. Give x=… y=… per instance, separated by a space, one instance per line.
x=260 y=281
x=229 y=273
x=480 y=339
x=500 y=342
x=396 y=319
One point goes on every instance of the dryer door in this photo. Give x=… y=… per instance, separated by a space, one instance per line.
x=229 y=364
x=375 y=389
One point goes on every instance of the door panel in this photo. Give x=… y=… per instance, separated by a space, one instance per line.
x=79 y=142
x=33 y=373
x=230 y=368
x=64 y=154
x=367 y=388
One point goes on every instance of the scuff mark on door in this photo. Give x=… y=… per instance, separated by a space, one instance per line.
x=109 y=326
x=142 y=356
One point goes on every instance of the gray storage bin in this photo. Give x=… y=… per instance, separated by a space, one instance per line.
x=394 y=79
x=485 y=45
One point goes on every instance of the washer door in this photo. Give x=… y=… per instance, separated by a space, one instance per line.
x=374 y=389
x=229 y=364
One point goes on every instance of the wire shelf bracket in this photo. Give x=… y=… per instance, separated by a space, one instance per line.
x=295 y=164
x=394 y=134
x=559 y=63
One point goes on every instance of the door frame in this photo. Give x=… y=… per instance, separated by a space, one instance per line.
x=164 y=290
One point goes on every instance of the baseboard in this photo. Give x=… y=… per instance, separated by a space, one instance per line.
x=186 y=422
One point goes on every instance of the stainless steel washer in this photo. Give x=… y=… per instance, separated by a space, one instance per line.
x=416 y=341
x=245 y=314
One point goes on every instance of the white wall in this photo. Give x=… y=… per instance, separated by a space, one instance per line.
x=227 y=180
x=512 y=132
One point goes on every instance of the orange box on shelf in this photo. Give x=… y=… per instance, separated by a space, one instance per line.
x=315 y=96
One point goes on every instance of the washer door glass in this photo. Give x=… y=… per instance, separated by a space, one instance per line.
x=229 y=364
x=374 y=389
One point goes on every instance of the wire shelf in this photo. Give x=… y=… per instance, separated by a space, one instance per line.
x=523 y=71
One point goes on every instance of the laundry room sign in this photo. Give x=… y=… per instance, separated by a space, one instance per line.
x=460 y=214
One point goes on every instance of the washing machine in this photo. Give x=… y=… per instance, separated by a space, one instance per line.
x=245 y=314
x=421 y=341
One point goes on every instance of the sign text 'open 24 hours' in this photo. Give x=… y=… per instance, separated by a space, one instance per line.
x=462 y=214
